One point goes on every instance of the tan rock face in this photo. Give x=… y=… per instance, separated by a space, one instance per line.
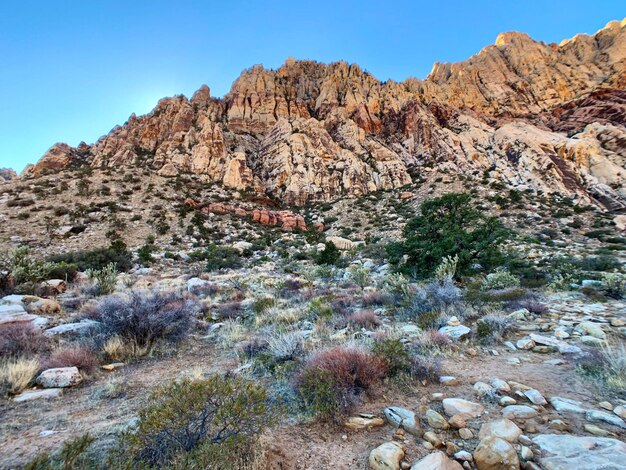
x=546 y=116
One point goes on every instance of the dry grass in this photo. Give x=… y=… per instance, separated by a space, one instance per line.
x=18 y=373
x=231 y=333
x=615 y=359
x=117 y=349
x=73 y=355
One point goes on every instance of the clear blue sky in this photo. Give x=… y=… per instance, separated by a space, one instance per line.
x=71 y=70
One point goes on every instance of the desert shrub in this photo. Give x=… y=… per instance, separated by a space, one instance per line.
x=606 y=365
x=447 y=268
x=252 y=347
x=361 y=276
x=145 y=251
x=614 y=285
x=18 y=373
x=319 y=308
x=286 y=346
x=376 y=298
x=600 y=263
x=262 y=304
x=499 y=279
x=614 y=356
x=448 y=226
x=431 y=340
x=73 y=355
x=116 y=349
x=99 y=258
x=510 y=294
x=425 y=368
x=428 y=301
x=104 y=280
x=331 y=380
x=218 y=257
x=72 y=455
x=199 y=423
x=429 y=319
x=329 y=255
x=394 y=354
x=24 y=268
x=63 y=270
x=494 y=327
x=228 y=309
x=22 y=339
x=530 y=304
x=364 y=319
x=143 y=318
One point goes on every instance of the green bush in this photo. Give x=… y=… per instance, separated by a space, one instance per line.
x=73 y=455
x=104 y=279
x=99 y=258
x=218 y=257
x=195 y=421
x=449 y=226
x=329 y=255
x=394 y=354
x=500 y=279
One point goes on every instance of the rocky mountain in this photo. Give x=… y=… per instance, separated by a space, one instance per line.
x=531 y=115
x=7 y=174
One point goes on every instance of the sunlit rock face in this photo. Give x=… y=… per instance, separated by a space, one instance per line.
x=544 y=116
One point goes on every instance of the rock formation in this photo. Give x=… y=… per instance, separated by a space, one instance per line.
x=543 y=116
x=7 y=174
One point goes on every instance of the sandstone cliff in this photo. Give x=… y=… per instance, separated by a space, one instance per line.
x=546 y=116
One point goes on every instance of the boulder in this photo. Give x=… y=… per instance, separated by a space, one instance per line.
x=588 y=328
x=59 y=377
x=502 y=428
x=605 y=417
x=436 y=461
x=494 y=453
x=341 y=243
x=386 y=456
x=456 y=406
x=359 y=423
x=566 y=404
x=519 y=412
x=565 y=452
x=30 y=395
x=51 y=288
x=44 y=307
x=455 y=332
x=15 y=314
x=403 y=418
x=69 y=329
x=435 y=420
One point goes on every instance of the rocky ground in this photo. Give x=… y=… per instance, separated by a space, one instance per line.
x=514 y=399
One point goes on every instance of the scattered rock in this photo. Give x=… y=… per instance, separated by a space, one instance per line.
x=455 y=332
x=59 y=377
x=535 y=397
x=435 y=420
x=359 y=423
x=494 y=453
x=386 y=456
x=72 y=328
x=519 y=412
x=565 y=452
x=39 y=394
x=566 y=404
x=610 y=418
x=455 y=406
x=404 y=419
x=502 y=428
x=436 y=461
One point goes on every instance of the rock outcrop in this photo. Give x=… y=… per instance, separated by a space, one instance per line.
x=529 y=114
x=7 y=174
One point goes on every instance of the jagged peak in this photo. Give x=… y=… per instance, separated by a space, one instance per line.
x=512 y=38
